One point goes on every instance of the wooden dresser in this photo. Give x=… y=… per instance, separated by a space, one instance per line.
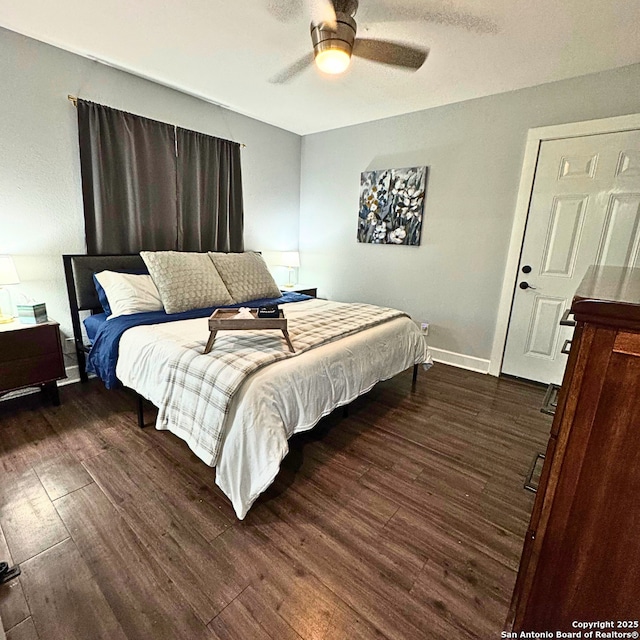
x=581 y=556
x=31 y=355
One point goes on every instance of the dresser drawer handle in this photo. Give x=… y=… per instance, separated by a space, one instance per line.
x=566 y=347
x=565 y=322
x=550 y=402
x=528 y=483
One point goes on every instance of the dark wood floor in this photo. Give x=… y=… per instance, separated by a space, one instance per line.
x=403 y=520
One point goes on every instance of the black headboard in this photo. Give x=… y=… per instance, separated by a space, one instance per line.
x=78 y=271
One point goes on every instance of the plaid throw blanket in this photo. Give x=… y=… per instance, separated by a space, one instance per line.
x=201 y=386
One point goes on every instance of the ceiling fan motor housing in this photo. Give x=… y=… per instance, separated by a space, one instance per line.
x=325 y=37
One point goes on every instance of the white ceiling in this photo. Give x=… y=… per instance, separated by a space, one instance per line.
x=226 y=51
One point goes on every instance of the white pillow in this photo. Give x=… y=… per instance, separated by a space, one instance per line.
x=129 y=293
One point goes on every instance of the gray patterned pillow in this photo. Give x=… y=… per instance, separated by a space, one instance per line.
x=246 y=275
x=186 y=280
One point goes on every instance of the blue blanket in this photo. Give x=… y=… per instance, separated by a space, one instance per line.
x=104 y=350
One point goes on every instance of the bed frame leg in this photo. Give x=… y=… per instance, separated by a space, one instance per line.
x=82 y=363
x=140 y=408
x=415 y=377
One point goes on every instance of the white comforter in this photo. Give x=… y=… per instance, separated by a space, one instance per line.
x=279 y=400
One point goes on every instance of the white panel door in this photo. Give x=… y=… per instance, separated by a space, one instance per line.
x=584 y=210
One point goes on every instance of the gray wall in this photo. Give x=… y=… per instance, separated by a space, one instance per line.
x=40 y=196
x=474 y=151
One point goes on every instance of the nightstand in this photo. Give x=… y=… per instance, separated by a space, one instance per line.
x=31 y=356
x=302 y=288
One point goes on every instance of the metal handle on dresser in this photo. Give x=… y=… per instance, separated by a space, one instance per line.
x=528 y=483
x=565 y=322
x=550 y=402
x=566 y=347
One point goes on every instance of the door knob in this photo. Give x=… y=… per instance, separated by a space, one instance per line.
x=525 y=285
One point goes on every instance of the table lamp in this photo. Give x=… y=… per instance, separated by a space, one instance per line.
x=8 y=275
x=291 y=260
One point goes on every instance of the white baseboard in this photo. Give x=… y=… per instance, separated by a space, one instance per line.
x=73 y=375
x=481 y=365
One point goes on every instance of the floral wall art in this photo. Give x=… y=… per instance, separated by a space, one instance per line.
x=391 y=206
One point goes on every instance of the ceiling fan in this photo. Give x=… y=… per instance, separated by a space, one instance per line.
x=333 y=35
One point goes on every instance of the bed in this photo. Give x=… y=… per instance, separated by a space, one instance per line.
x=239 y=423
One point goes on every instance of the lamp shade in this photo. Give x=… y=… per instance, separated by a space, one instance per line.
x=290 y=259
x=8 y=273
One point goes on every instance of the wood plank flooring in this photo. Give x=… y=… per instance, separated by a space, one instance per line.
x=404 y=520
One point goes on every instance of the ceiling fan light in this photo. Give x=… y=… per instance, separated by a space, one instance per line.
x=333 y=61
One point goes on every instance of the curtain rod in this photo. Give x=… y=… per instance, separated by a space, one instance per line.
x=74 y=101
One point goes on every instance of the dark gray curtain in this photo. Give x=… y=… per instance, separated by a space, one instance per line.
x=210 y=205
x=128 y=168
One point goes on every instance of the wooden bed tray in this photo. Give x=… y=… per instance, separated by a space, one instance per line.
x=223 y=320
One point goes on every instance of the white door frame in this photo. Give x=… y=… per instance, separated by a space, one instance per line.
x=535 y=138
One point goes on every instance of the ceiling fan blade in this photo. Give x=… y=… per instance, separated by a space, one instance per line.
x=437 y=12
x=293 y=70
x=393 y=53
x=285 y=10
